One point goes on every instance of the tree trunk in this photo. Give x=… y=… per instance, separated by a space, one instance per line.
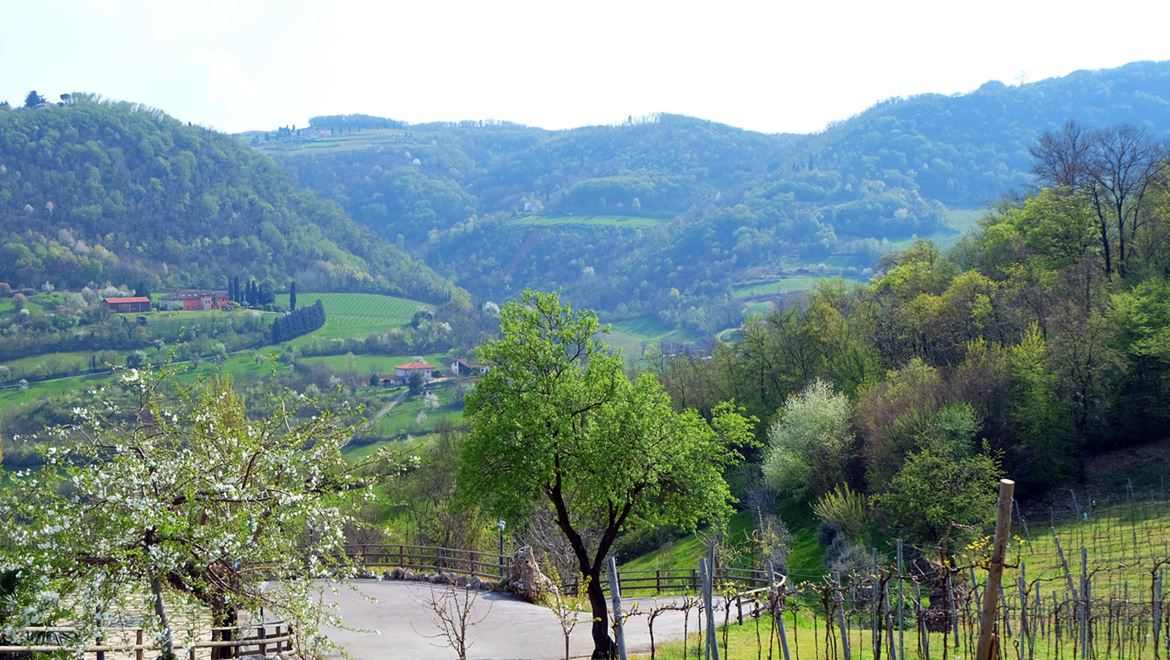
x=223 y=616
x=160 y=612
x=603 y=646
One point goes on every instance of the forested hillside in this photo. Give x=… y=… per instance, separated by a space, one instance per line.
x=682 y=211
x=101 y=192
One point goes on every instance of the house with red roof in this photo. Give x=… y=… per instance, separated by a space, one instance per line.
x=403 y=372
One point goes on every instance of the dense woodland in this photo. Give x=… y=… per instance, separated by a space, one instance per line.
x=1019 y=352
x=97 y=192
x=721 y=205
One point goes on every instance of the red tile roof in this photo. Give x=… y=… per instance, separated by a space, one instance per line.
x=413 y=365
x=136 y=299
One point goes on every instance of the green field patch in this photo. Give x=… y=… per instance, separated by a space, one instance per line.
x=356 y=314
x=383 y=365
x=778 y=286
x=763 y=308
x=574 y=220
x=404 y=418
x=634 y=336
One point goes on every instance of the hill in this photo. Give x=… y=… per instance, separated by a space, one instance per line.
x=711 y=207
x=93 y=191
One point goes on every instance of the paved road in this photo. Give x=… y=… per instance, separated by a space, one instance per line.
x=395 y=621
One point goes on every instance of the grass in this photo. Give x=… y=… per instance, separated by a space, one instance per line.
x=355 y=314
x=402 y=419
x=773 y=287
x=632 y=336
x=805 y=555
x=364 y=365
x=570 y=220
x=47 y=364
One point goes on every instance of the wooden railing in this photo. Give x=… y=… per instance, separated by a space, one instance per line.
x=428 y=558
x=262 y=638
x=679 y=581
x=489 y=565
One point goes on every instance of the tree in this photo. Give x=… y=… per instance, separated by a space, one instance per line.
x=935 y=489
x=180 y=503
x=556 y=424
x=809 y=446
x=292 y=296
x=1113 y=168
x=33 y=99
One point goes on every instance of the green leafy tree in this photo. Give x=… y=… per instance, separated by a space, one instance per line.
x=934 y=489
x=180 y=501
x=1045 y=449
x=556 y=424
x=810 y=445
x=33 y=99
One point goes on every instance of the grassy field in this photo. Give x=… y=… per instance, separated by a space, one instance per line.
x=625 y=221
x=403 y=418
x=773 y=287
x=365 y=365
x=356 y=314
x=805 y=556
x=632 y=336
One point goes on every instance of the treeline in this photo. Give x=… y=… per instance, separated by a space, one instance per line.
x=298 y=322
x=253 y=294
x=349 y=123
x=97 y=191
x=1019 y=352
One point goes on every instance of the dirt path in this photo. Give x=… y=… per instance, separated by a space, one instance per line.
x=395 y=621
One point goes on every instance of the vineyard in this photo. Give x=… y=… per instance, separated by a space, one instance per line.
x=357 y=314
x=1087 y=581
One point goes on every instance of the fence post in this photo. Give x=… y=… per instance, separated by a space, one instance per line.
x=901 y=605
x=839 y=599
x=657 y=582
x=615 y=594
x=706 y=575
x=138 y=644
x=987 y=649
x=261 y=634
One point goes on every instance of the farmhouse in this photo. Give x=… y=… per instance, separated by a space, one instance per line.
x=403 y=372
x=463 y=367
x=125 y=305
x=195 y=299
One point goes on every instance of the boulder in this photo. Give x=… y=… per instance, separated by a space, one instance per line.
x=525 y=579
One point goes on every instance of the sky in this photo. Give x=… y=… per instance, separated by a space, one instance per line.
x=777 y=66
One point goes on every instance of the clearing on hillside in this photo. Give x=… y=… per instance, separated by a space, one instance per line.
x=357 y=314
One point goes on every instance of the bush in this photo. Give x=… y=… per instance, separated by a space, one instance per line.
x=809 y=446
x=846 y=508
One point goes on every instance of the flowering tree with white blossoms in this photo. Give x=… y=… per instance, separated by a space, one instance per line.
x=181 y=500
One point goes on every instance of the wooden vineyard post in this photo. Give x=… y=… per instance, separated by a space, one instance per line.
x=777 y=614
x=1003 y=527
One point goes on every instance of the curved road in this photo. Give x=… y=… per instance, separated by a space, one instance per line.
x=394 y=620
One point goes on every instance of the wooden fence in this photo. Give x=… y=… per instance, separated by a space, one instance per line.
x=262 y=638
x=428 y=558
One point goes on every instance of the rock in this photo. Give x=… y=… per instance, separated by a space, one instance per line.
x=474 y=582
x=525 y=580
x=462 y=581
x=396 y=574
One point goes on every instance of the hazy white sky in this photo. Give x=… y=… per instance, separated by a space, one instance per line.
x=784 y=65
